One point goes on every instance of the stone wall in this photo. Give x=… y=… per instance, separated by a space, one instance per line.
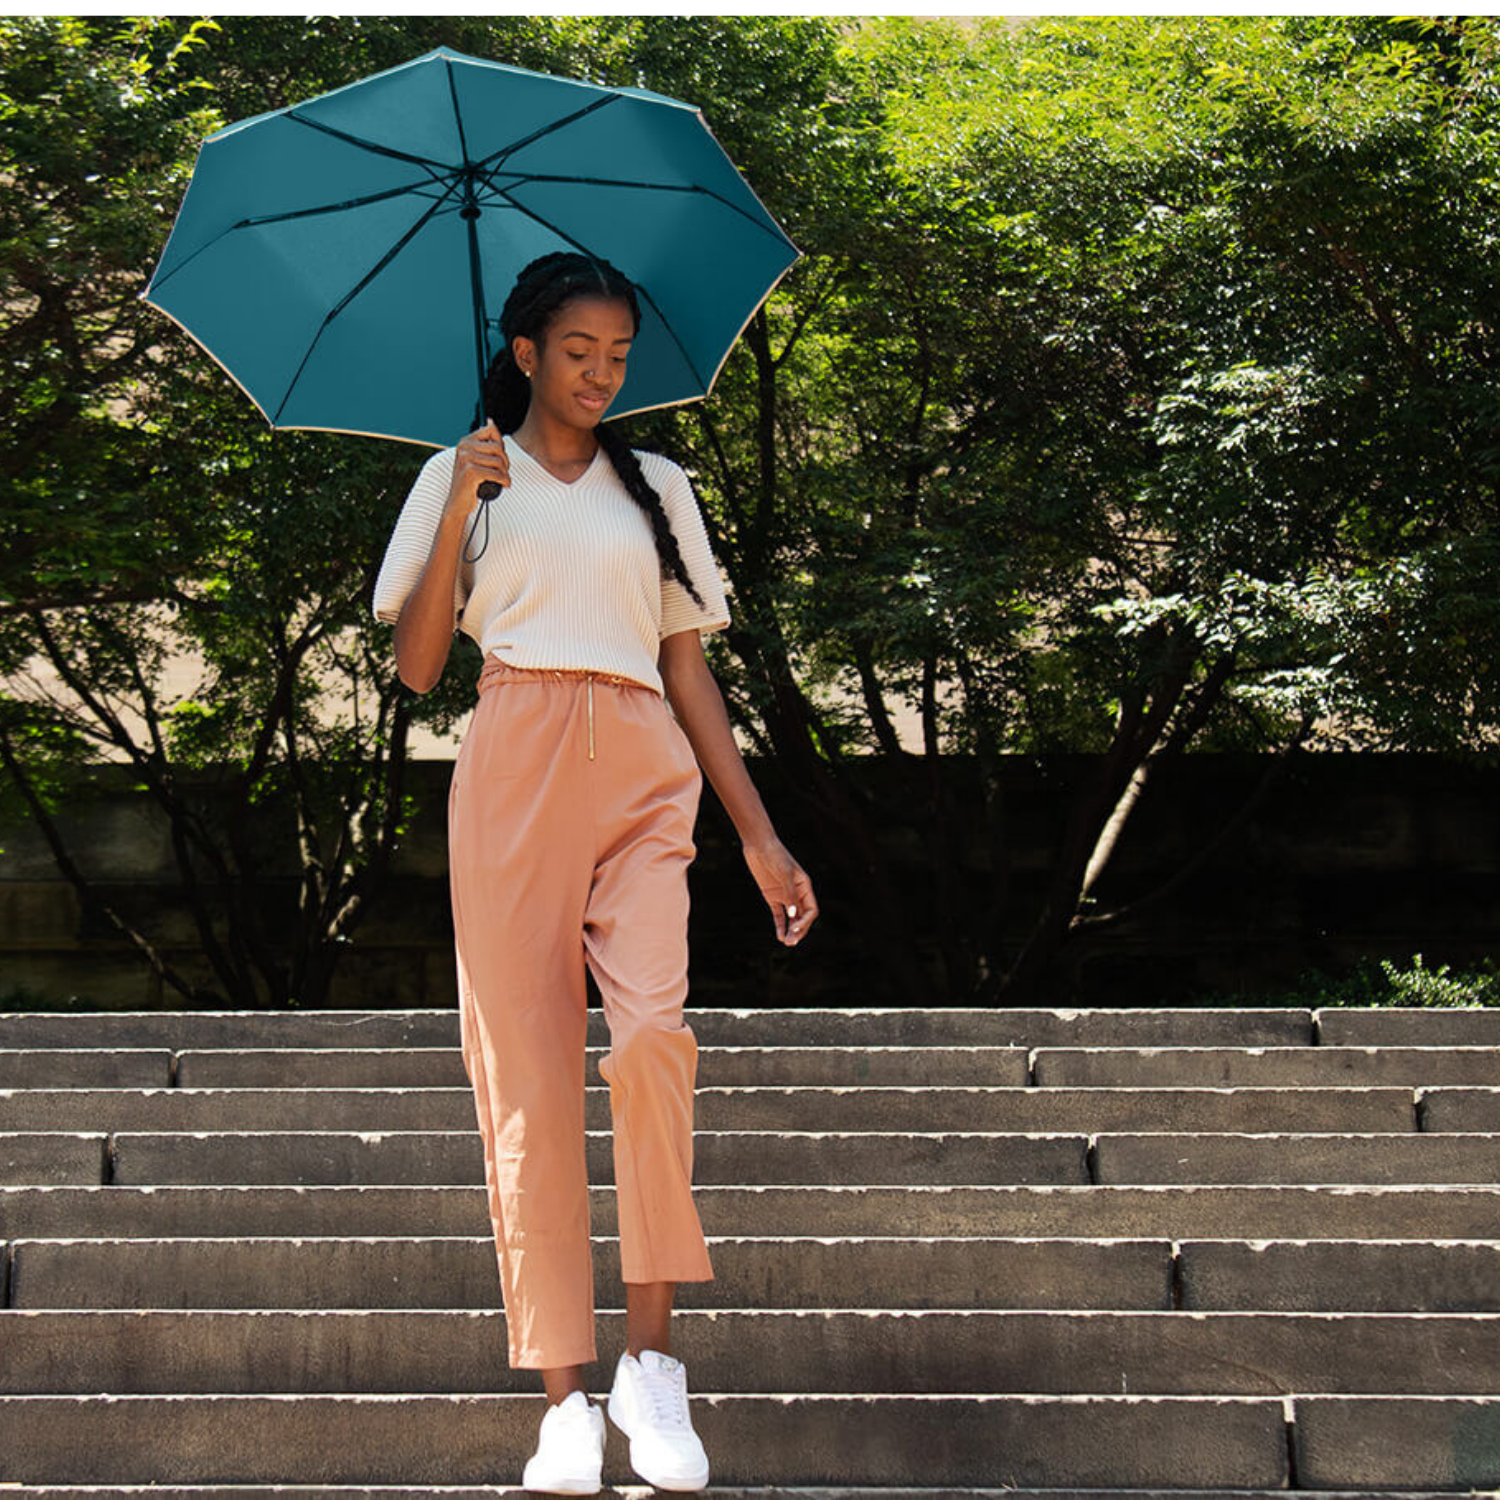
x=1349 y=855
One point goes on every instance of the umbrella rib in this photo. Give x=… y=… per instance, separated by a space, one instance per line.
x=349 y=296
x=374 y=146
x=640 y=290
x=495 y=163
x=294 y=213
x=458 y=114
x=656 y=187
x=328 y=208
x=551 y=126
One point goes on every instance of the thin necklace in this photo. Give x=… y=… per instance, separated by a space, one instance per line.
x=547 y=463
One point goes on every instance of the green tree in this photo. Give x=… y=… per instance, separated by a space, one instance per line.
x=1133 y=396
x=150 y=511
x=1189 y=443
x=256 y=550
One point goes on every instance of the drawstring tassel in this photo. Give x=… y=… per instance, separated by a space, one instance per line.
x=560 y=673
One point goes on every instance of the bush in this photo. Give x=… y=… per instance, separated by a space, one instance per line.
x=1382 y=982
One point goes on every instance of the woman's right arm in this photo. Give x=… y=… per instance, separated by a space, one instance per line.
x=424 y=629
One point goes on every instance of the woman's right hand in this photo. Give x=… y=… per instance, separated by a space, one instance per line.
x=481 y=455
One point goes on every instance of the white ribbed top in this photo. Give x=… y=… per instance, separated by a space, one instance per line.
x=570 y=576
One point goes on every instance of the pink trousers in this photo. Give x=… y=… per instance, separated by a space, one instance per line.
x=570 y=833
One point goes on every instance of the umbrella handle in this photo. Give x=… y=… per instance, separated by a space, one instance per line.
x=488 y=489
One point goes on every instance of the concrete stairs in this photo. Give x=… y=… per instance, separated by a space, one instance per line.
x=1124 y=1253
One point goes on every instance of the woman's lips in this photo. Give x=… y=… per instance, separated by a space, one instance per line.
x=594 y=403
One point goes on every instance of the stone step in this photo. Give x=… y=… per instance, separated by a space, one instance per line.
x=1162 y=1067
x=1230 y=1157
x=479 y=1438
x=457 y=1157
x=1437 y=1275
x=861 y=1027
x=1407 y=1025
x=1456 y=1109
x=1273 y=1211
x=1252 y=1109
x=459 y=1272
x=717 y=1492
x=252 y=1252
x=885 y=1351
x=130 y=1158
x=442 y=1067
x=1395 y=1440
x=977 y=1438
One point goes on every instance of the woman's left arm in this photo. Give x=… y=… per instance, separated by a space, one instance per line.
x=699 y=707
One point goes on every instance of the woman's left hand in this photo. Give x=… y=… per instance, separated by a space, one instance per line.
x=784 y=884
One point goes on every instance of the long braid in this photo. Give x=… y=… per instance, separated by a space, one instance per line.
x=540 y=292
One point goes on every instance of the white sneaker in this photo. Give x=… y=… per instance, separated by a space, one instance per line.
x=649 y=1404
x=570 y=1453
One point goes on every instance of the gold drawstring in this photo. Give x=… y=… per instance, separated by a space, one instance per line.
x=588 y=673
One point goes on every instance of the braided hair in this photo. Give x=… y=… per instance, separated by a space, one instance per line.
x=540 y=293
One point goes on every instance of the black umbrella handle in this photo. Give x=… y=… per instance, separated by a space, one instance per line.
x=488 y=489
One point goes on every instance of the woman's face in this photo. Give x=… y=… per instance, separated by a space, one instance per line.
x=579 y=370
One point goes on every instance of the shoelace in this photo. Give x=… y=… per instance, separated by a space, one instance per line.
x=668 y=1398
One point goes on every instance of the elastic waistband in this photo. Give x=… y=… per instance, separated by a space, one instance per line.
x=496 y=669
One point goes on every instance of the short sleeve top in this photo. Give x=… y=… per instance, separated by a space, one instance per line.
x=569 y=575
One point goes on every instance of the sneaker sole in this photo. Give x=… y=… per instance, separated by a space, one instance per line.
x=567 y=1484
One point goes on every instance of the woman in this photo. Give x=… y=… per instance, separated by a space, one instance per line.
x=570 y=822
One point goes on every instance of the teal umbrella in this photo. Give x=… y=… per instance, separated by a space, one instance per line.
x=345 y=259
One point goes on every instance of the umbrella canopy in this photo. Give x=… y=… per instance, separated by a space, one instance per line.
x=346 y=259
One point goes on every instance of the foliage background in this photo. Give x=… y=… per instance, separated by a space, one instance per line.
x=1135 y=397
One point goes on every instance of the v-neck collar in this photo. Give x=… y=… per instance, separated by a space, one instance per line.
x=516 y=447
